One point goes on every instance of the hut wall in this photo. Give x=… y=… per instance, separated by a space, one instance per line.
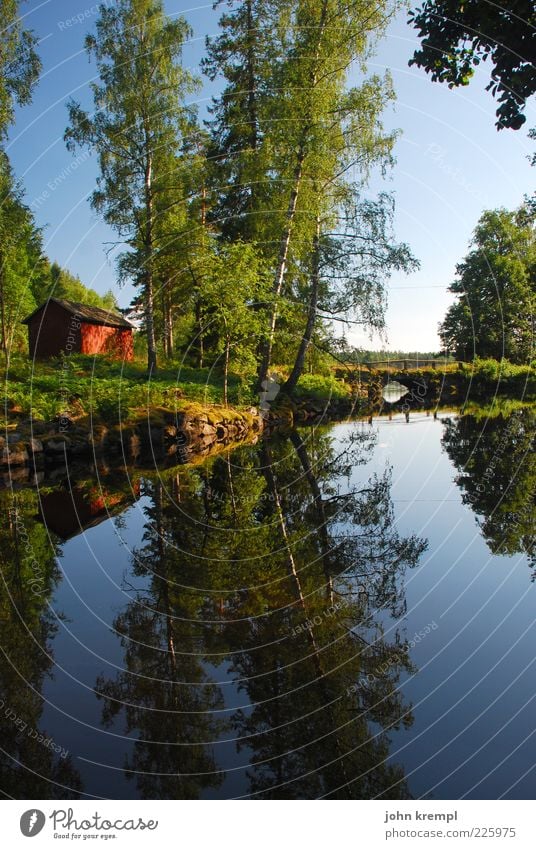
x=51 y=331
x=114 y=341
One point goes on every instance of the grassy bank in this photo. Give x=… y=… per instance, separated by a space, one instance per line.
x=455 y=382
x=109 y=391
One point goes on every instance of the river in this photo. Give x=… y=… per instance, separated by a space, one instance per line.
x=338 y=612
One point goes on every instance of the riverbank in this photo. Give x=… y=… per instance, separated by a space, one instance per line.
x=154 y=434
x=84 y=407
x=459 y=383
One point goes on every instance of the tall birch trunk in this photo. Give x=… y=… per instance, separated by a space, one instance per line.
x=284 y=245
x=299 y=362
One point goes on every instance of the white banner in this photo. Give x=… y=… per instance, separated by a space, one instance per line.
x=270 y=824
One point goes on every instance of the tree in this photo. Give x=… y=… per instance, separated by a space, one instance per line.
x=457 y=37
x=137 y=125
x=19 y=63
x=174 y=704
x=351 y=263
x=60 y=283
x=246 y=54
x=322 y=130
x=20 y=243
x=333 y=560
x=234 y=285
x=493 y=315
x=184 y=239
x=286 y=130
x=21 y=260
x=272 y=573
x=30 y=578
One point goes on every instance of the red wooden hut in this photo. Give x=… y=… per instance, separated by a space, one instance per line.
x=58 y=326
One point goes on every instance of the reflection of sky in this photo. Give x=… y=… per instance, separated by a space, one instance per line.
x=451 y=163
x=484 y=607
x=91 y=594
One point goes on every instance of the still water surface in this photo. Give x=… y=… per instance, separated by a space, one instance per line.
x=344 y=612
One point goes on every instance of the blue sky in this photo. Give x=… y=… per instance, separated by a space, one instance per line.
x=451 y=163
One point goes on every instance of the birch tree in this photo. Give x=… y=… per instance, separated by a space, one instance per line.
x=137 y=124
x=325 y=130
x=19 y=63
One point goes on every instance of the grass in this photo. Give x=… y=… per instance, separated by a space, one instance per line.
x=498 y=370
x=321 y=388
x=109 y=390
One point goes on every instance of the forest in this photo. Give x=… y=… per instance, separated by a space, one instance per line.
x=253 y=238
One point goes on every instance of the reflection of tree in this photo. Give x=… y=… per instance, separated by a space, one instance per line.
x=316 y=666
x=28 y=768
x=165 y=694
x=497 y=476
x=266 y=558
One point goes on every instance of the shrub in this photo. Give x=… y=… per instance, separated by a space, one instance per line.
x=321 y=387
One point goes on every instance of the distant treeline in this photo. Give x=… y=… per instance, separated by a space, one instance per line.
x=359 y=355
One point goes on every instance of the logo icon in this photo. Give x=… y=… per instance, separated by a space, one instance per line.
x=270 y=388
x=32 y=822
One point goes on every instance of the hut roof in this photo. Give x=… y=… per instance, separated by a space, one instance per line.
x=86 y=313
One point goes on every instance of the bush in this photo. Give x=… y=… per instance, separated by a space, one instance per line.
x=496 y=370
x=322 y=388
x=110 y=409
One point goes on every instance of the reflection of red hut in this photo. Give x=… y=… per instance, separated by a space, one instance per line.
x=58 y=326
x=68 y=512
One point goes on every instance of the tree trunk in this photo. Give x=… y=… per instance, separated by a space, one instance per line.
x=3 y=306
x=299 y=362
x=284 y=245
x=226 y=372
x=327 y=552
x=252 y=105
x=199 y=325
x=162 y=580
x=168 y=322
x=266 y=348
x=251 y=72
x=171 y=340
x=299 y=595
x=149 y=296
x=164 y=323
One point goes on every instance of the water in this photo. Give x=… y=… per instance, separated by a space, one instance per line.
x=344 y=612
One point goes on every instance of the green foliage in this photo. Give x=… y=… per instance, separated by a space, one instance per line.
x=496 y=289
x=113 y=391
x=235 y=286
x=19 y=63
x=30 y=578
x=286 y=131
x=267 y=518
x=496 y=466
x=457 y=37
x=21 y=261
x=497 y=370
x=137 y=129
x=322 y=388
x=503 y=407
x=349 y=354
x=60 y=283
x=27 y=278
